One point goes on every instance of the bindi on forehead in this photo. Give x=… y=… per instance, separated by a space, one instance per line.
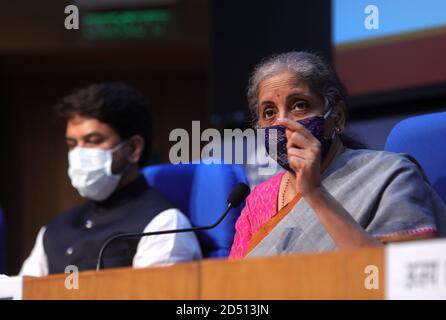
x=281 y=85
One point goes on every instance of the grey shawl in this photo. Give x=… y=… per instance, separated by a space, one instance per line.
x=386 y=193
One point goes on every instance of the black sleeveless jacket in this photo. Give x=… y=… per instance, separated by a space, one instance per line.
x=75 y=237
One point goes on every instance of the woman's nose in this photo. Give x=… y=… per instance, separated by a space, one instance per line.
x=283 y=114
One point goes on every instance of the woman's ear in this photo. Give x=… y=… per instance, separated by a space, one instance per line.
x=136 y=146
x=340 y=116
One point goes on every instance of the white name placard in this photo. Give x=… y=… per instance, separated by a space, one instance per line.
x=11 y=288
x=416 y=270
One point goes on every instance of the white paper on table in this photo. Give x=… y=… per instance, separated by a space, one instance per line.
x=416 y=270
x=11 y=288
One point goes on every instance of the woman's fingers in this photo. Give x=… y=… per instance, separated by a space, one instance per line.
x=297 y=152
x=295 y=126
x=300 y=136
x=296 y=163
x=298 y=140
x=303 y=147
x=307 y=155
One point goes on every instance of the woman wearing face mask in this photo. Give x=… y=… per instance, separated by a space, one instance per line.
x=331 y=195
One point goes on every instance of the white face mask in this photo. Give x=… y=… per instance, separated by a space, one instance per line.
x=90 y=171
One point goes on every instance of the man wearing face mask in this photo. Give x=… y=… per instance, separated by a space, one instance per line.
x=108 y=135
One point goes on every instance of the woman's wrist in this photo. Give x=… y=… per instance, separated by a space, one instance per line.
x=316 y=197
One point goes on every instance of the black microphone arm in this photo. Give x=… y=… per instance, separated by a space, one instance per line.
x=236 y=197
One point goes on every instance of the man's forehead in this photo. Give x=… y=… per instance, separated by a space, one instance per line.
x=81 y=120
x=82 y=126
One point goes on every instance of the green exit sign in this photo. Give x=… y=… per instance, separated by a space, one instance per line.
x=128 y=24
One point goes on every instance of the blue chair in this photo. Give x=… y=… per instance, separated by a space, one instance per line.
x=423 y=137
x=2 y=242
x=200 y=191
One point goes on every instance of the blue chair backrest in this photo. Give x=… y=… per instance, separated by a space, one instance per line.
x=423 y=137
x=200 y=191
x=2 y=242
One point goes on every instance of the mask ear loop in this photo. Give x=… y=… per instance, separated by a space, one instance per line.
x=119 y=146
x=116 y=148
x=327 y=114
x=330 y=109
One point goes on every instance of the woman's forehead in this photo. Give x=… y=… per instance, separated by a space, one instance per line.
x=282 y=83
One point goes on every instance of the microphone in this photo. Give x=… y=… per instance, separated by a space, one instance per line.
x=238 y=194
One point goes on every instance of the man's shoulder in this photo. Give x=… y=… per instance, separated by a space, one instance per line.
x=155 y=199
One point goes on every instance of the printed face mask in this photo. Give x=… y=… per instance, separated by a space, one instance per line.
x=276 y=141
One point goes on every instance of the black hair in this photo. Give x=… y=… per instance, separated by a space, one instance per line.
x=116 y=104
